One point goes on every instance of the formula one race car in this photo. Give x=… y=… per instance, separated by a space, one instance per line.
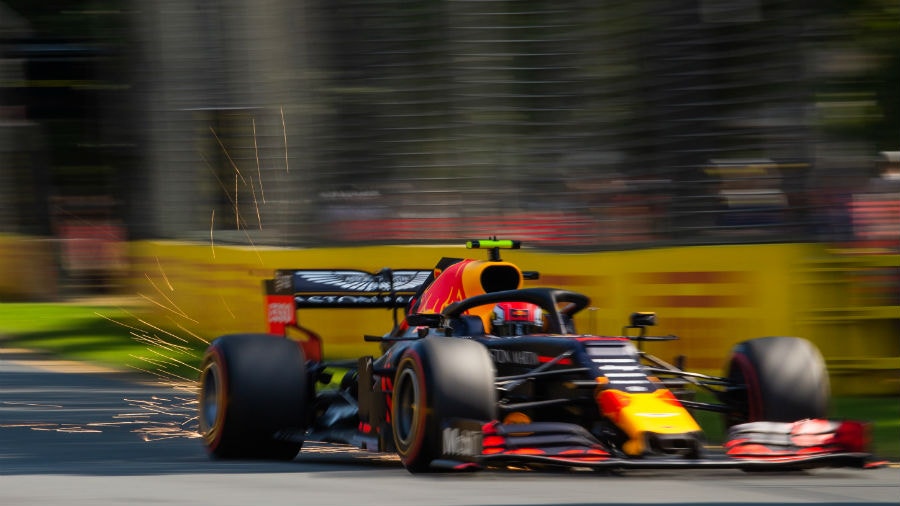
x=482 y=372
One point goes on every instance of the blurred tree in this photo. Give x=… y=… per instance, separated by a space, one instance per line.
x=865 y=86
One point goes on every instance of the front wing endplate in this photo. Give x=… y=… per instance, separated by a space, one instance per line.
x=754 y=446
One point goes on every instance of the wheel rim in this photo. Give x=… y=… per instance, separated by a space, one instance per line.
x=406 y=406
x=210 y=395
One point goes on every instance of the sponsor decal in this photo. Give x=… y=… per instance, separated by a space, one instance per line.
x=280 y=310
x=517 y=314
x=461 y=442
x=282 y=283
x=359 y=281
x=351 y=300
x=514 y=357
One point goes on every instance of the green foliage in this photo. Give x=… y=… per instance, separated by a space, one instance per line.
x=866 y=89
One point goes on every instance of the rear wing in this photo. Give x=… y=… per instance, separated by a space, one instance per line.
x=292 y=289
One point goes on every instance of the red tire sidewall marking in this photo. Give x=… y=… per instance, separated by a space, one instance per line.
x=751 y=379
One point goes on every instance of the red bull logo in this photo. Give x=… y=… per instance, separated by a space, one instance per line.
x=468 y=278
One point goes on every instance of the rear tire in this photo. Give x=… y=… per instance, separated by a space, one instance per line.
x=784 y=379
x=253 y=396
x=438 y=379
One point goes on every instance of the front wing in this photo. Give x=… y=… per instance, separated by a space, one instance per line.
x=753 y=446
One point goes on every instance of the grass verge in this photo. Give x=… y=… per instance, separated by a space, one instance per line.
x=882 y=413
x=114 y=336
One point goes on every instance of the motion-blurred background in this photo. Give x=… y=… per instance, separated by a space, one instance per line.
x=578 y=126
x=601 y=124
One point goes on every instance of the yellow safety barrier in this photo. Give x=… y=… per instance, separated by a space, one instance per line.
x=28 y=268
x=710 y=296
x=851 y=307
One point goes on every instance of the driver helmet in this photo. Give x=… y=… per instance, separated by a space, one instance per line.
x=516 y=319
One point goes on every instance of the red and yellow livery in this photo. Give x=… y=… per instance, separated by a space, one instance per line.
x=449 y=391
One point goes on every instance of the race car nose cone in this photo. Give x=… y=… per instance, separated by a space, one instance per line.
x=688 y=444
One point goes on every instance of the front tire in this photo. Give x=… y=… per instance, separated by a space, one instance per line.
x=777 y=379
x=254 y=397
x=438 y=379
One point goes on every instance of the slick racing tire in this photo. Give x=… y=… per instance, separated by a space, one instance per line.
x=777 y=379
x=438 y=379
x=254 y=397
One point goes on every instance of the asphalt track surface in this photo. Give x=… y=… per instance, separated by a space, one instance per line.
x=75 y=437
